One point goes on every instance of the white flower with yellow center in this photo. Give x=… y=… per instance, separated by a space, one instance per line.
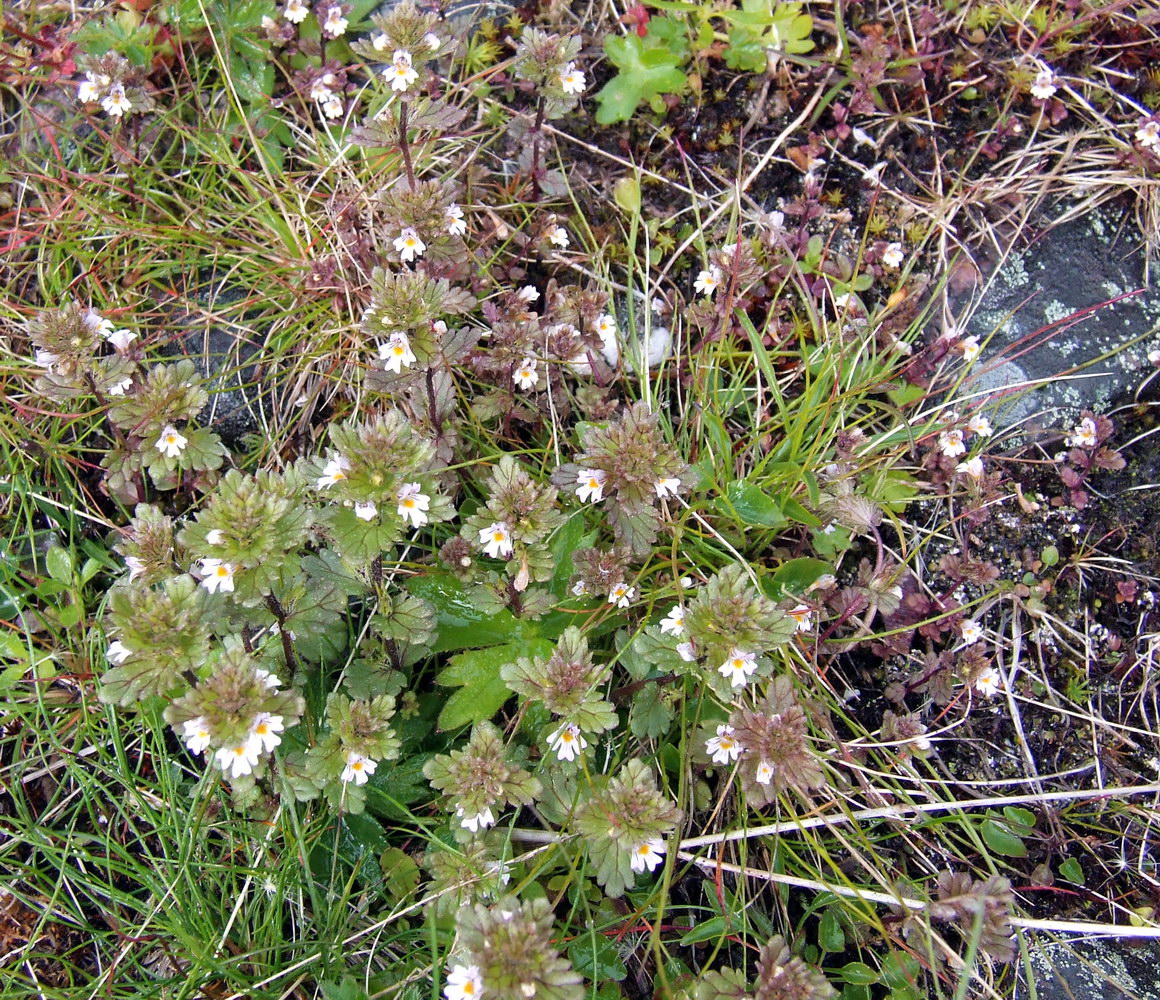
x=674 y=622
x=989 y=682
x=463 y=983
x=456 y=223
x=334 y=471
x=590 y=485
x=723 y=748
x=801 y=615
x=358 y=768
x=708 y=281
x=738 y=667
x=971 y=631
x=401 y=73
x=334 y=24
x=117 y=103
x=764 y=773
x=496 y=540
x=971 y=348
x=557 y=236
x=892 y=256
x=217 y=575
x=951 y=443
x=333 y=107
x=621 y=595
x=978 y=424
x=92 y=88
x=265 y=730
x=1083 y=435
x=396 y=353
x=413 y=505
x=196 y=734
x=647 y=855
x=171 y=443
x=295 y=11
x=1044 y=87
x=525 y=375
x=1147 y=135
x=238 y=760
x=606 y=326
x=409 y=245
x=972 y=467
x=572 y=80
x=566 y=742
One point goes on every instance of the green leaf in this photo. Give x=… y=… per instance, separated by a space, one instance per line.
x=999 y=838
x=647 y=70
x=59 y=563
x=651 y=716
x=10 y=675
x=349 y=989
x=1072 y=870
x=400 y=873
x=752 y=505
x=830 y=934
x=464 y=626
x=477 y=673
x=1021 y=821
x=365 y=834
x=858 y=973
x=797 y=575
x=597 y=958
x=707 y=930
x=900 y=971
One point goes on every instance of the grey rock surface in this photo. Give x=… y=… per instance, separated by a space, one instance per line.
x=1073 y=314
x=1093 y=969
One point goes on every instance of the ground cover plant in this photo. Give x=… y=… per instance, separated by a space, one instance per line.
x=494 y=502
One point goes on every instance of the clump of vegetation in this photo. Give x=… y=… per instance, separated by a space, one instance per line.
x=425 y=573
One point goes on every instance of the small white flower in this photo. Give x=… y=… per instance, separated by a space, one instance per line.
x=334 y=24
x=557 y=236
x=647 y=855
x=496 y=541
x=217 y=575
x=1147 y=135
x=463 y=983
x=738 y=667
x=666 y=487
x=579 y=588
x=46 y=359
x=590 y=485
x=238 y=760
x=708 y=281
x=951 y=443
x=971 y=631
x=893 y=256
x=120 y=388
x=621 y=595
x=196 y=734
x=171 y=443
x=525 y=375
x=566 y=742
x=332 y=107
x=572 y=80
x=135 y=566
x=366 y=511
x=528 y=294
x=674 y=622
x=1083 y=435
x=413 y=505
x=480 y=821
x=396 y=353
x=843 y=300
x=116 y=103
x=978 y=424
x=971 y=348
x=91 y=89
x=456 y=224
x=989 y=682
x=605 y=326
x=409 y=245
x=265 y=730
x=401 y=73
x=214 y=536
x=295 y=11
x=270 y=680
x=121 y=339
x=764 y=773
x=801 y=615
x=431 y=40
x=320 y=92
x=118 y=652
x=334 y=470
x=687 y=651
x=358 y=768
x=723 y=748
x=972 y=467
x=1044 y=86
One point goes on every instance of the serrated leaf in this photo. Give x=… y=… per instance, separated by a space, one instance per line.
x=650 y=716
x=477 y=673
x=647 y=70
